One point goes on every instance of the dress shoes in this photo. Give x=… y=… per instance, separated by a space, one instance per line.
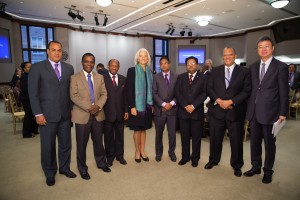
x=85 y=175
x=194 y=164
x=267 y=178
x=68 y=174
x=182 y=162
x=237 y=172
x=122 y=161
x=109 y=164
x=146 y=159
x=252 y=172
x=158 y=158
x=138 y=160
x=105 y=169
x=173 y=158
x=209 y=165
x=50 y=181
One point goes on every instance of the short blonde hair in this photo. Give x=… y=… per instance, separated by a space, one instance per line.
x=136 y=57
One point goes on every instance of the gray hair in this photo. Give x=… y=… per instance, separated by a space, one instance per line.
x=136 y=57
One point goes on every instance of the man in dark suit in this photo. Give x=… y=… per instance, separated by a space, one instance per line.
x=190 y=92
x=268 y=103
x=48 y=87
x=228 y=87
x=294 y=78
x=116 y=112
x=88 y=93
x=165 y=108
x=30 y=127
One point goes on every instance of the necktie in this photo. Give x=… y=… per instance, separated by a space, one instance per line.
x=262 y=72
x=114 y=80
x=56 y=70
x=91 y=88
x=227 y=77
x=191 y=79
x=167 y=81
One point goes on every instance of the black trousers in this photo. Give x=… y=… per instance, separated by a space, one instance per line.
x=160 y=122
x=261 y=132
x=49 y=132
x=83 y=132
x=191 y=128
x=217 y=128
x=29 y=124
x=114 y=140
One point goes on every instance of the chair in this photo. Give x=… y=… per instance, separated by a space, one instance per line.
x=5 y=93
x=294 y=106
x=17 y=116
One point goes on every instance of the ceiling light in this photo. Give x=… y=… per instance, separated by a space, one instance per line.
x=168 y=31
x=190 y=33
x=279 y=3
x=105 y=20
x=104 y=3
x=72 y=15
x=203 y=23
x=182 y=32
x=172 y=31
x=96 y=20
x=80 y=17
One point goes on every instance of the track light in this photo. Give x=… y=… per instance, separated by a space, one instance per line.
x=182 y=32
x=105 y=20
x=169 y=29
x=104 y=3
x=190 y=33
x=80 y=17
x=72 y=15
x=172 y=31
x=279 y=3
x=96 y=20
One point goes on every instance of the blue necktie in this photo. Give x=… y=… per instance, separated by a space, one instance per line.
x=56 y=70
x=167 y=81
x=91 y=88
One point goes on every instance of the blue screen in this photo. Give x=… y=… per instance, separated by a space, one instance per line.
x=5 y=56
x=187 y=51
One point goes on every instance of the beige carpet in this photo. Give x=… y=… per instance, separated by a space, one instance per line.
x=21 y=176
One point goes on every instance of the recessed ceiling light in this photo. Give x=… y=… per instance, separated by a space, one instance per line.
x=21 y=2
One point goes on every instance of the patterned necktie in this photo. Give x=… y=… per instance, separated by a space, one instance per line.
x=167 y=81
x=57 y=71
x=91 y=88
x=191 y=79
x=227 y=77
x=114 y=80
x=262 y=72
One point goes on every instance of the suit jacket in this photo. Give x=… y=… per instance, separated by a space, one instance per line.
x=115 y=106
x=238 y=91
x=48 y=95
x=270 y=98
x=194 y=94
x=296 y=83
x=80 y=95
x=162 y=94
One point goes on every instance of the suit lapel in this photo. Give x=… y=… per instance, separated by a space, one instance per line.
x=51 y=70
x=270 y=71
x=234 y=75
x=84 y=81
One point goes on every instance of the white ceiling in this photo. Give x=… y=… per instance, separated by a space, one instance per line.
x=152 y=16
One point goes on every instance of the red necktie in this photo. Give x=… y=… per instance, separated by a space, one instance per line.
x=114 y=80
x=191 y=79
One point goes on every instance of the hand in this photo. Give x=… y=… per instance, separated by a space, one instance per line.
x=227 y=104
x=133 y=111
x=41 y=120
x=281 y=119
x=189 y=108
x=168 y=106
x=94 y=109
x=126 y=116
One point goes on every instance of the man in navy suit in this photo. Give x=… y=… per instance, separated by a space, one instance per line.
x=190 y=92
x=165 y=108
x=116 y=112
x=228 y=87
x=268 y=103
x=48 y=87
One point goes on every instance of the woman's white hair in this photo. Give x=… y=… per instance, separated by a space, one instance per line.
x=136 y=57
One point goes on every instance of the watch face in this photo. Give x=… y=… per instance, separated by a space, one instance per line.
x=65 y=55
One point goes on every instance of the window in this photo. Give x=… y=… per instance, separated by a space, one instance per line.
x=34 y=42
x=161 y=48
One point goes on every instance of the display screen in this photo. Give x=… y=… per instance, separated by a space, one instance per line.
x=185 y=51
x=5 y=53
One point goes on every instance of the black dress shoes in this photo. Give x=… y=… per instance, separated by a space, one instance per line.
x=194 y=164
x=50 y=181
x=237 y=172
x=267 y=178
x=109 y=164
x=85 y=175
x=146 y=159
x=182 y=162
x=68 y=174
x=105 y=169
x=209 y=165
x=122 y=161
x=173 y=158
x=252 y=172
x=158 y=158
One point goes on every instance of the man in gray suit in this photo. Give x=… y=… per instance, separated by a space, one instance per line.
x=48 y=87
x=165 y=108
x=268 y=103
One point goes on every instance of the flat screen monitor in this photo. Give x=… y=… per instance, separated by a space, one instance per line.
x=185 y=51
x=5 y=53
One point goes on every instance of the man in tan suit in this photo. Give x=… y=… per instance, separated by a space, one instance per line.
x=89 y=95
